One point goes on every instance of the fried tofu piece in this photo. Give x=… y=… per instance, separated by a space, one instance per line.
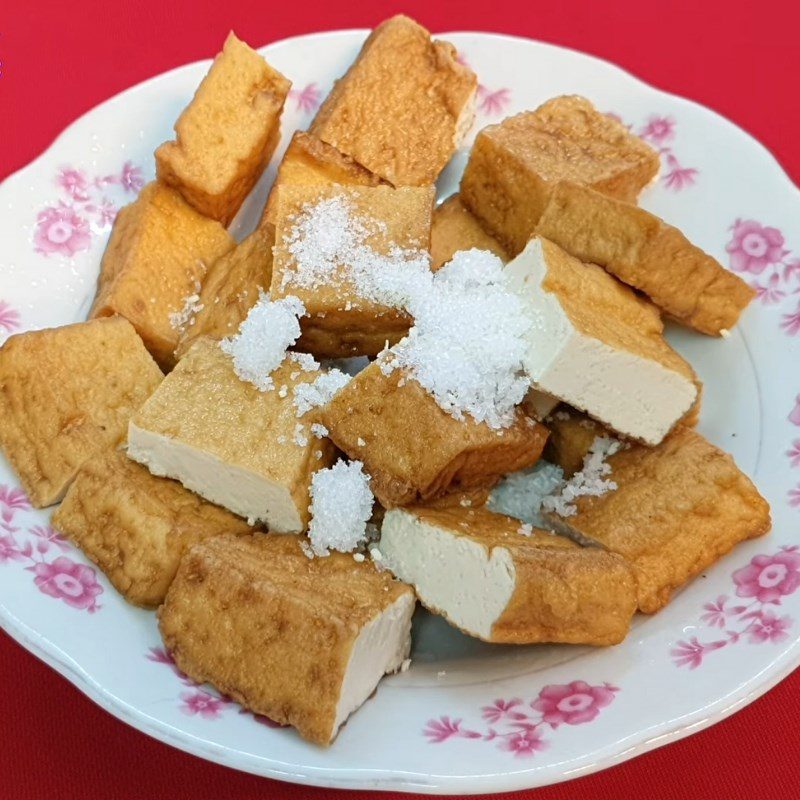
x=135 y=526
x=153 y=265
x=500 y=581
x=230 y=288
x=308 y=161
x=341 y=322
x=597 y=346
x=514 y=165
x=648 y=254
x=456 y=228
x=226 y=136
x=412 y=449
x=303 y=641
x=66 y=394
x=236 y=446
x=678 y=507
x=571 y=437
x=403 y=107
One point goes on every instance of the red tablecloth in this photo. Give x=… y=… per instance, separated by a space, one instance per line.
x=60 y=59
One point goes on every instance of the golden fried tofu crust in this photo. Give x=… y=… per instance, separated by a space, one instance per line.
x=230 y=288
x=340 y=322
x=456 y=228
x=571 y=436
x=646 y=253
x=514 y=165
x=563 y=592
x=271 y=628
x=403 y=107
x=678 y=508
x=308 y=161
x=227 y=134
x=412 y=449
x=156 y=258
x=67 y=393
x=135 y=526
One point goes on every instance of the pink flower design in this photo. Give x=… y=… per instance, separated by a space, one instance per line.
x=524 y=744
x=307 y=98
x=47 y=536
x=9 y=551
x=768 y=578
x=444 y=728
x=791 y=268
x=73 y=583
x=59 y=229
x=794 y=453
x=502 y=709
x=768 y=627
x=9 y=317
x=202 y=703
x=573 y=703
x=493 y=102
x=770 y=294
x=715 y=612
x=794 y=414
x=658 y=129
x=794 y=496
x=131 y=178
x=106 y=212
x=14 y=498
x=73 y=182
x=679 y=177
x=791 y=324
x=754 y=247
x=691 y=653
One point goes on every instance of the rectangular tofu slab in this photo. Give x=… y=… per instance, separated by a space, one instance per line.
x=302 y=641
x=500 y=581
x=646 y=253
x=403 y=107
x=308 y=161
x=513 y=166
x=66 y=394
x=340 y=321
x=230 y=288
x=598 y=347
x=456 y=228
x=158 y=253
x=135 y=526
x=412 y=449
x=238 y=447
x=678 y=507
x=227 y=134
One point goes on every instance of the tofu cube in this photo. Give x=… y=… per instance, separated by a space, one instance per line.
x=403 y=107
x=230 y=288
x=340 y=321
x=153 y=265
x=66 y=394
x=302 y=641
x=596 y=346
x=456 y=228
x=135 y=526
x=227 y=134
x=308 y=161
x=236 y=446
x=648 y=254
x=500 y=581
x=677 y=508
x=514 y=165
x=412 y=449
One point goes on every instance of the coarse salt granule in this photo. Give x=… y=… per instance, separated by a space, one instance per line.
x=319 y=391
x=300 y=438
x=178 y=320
x=260 y=345
x=526 y=529
x=305 y=361
x=319 y=430
x=341 y=505
x=520 y=494
x=590 y=481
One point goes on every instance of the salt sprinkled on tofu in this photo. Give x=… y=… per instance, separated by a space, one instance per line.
x=350 y=366
x=300 y=438
x=319 y=430
x=306 y=361
x=590 y=481
x=260 y=345
x=520 y=494
x=526 y=529
x=178 y=320
x=341 y=505
x=319 y=391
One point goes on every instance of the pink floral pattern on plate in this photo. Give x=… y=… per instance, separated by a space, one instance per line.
x=306 y=99
x=42 y=550
x=761 y=586
x=84 y=210
x=9 y=320
x=518 y=727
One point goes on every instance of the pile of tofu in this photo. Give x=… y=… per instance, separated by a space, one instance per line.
x=193 y=489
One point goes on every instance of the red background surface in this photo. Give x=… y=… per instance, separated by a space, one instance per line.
x=59 y=59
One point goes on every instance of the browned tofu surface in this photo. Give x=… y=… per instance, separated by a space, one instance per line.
x=67 y=393
x=156 y=258
x=135 y=526
x=412 y=449
x=226 y=135
x=403 y=107
x=514 y=165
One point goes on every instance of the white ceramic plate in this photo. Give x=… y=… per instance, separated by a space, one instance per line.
x=467 y=717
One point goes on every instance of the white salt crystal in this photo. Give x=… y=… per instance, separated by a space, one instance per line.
x=283 y=391
x=520 y=494
x=178 y=320
x=359 y=557
x=319 y=430
x=526 y=529
x=361 y=442
x=306 y=361
x=308 y=552
x=281 y=439
x=300 y=438
x=319 y=391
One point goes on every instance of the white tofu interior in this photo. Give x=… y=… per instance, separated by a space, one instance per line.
x=380 y=648
x=637 y=396
x=465 y=120
x=454 y=576
x=240 y=490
